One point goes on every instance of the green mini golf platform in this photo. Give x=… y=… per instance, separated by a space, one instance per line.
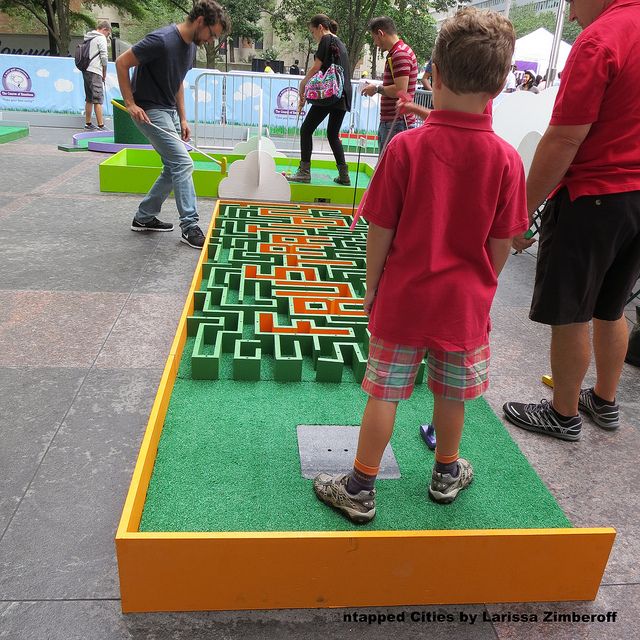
x=12 y=131
x=278 y=324
x=219 y=514
x=135 y=171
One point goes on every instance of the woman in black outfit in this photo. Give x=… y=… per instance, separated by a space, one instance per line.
x=330 y=50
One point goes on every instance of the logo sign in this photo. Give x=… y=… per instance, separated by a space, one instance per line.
x=16 y=83
x=287 y=102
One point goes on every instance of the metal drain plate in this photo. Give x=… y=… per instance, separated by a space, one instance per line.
x=332 y=448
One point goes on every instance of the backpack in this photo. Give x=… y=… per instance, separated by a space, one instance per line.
x=82 y=54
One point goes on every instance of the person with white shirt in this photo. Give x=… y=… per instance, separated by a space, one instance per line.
x=96 y=74
x=511 y=83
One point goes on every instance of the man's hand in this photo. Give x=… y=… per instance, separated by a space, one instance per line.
x=185 y=131
x=369 y=298
x=520 y=243
x=138 y=114
x=368 y=90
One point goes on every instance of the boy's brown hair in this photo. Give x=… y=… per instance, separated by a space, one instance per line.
x=473 y=51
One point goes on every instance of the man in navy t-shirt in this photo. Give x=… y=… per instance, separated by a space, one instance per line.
x=154 y=97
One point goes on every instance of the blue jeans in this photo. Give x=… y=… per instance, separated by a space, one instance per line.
x=176 y=172
x=383 y=132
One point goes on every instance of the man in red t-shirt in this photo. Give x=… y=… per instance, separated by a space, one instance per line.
x=589 y=255
x=400 y=76
x=433 y=258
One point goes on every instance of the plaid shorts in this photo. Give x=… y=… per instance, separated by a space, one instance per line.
x=455 y=375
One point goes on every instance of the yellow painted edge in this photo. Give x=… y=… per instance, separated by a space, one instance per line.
x=130 y=518
x=134 y=502
x=431 y=533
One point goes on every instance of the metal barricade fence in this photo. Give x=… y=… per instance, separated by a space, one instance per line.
x=227 y=107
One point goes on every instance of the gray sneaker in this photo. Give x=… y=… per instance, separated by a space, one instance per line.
x=444 y=487
x=332 y=490
x=606 y=416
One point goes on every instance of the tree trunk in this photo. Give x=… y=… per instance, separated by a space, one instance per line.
x=63 y=29
x=52 y=30
x=210 y=51
x=306 y=61
x=374 y=60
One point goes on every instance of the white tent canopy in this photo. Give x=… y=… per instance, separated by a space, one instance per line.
x=536 y=47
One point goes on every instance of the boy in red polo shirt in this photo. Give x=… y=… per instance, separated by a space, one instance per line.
x=433 y=262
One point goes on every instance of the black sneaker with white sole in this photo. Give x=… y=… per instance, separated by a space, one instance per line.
x=542 y=418
x=605 y=414
x=152 y=225
x=193 y=237
x=89 y=126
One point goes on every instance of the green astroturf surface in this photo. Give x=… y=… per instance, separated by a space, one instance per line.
x=10 y=133
x=228 y=461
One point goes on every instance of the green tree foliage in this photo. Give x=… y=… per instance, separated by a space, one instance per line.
x=525 y=20
x=416 y=26
x=291 y=17
x=244 y=21
x=59 y=20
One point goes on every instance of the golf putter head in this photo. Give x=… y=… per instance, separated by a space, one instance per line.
x=428 y=434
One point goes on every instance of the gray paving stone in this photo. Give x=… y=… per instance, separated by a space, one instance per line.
x=142 y=335
x=30 y=172
x=623 y=600
x=103 y=621
x=55 y=329
x=60 y=542
x=34 y=401
x=82 y=246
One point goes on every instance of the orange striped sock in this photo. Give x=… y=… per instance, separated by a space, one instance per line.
x=362 y=478
x=447 y=464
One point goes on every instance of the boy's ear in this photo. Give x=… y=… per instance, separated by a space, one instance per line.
x=436 y=80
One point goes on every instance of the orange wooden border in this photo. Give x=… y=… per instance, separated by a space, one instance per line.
x=262 y=570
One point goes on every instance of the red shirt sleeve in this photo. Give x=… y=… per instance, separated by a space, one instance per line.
x=589 y=68
x=383 y=200
x=511 y=216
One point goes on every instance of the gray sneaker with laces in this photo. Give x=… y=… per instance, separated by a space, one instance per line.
x=606 y=416
x=444 y=487
x=542 y=418
x=332 y=490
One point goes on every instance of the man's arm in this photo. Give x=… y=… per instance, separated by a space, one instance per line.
x=426 y=83
x=552 y=159
x=401 y=84
x=182 y=114
x=554 y=155
x=124 y=63
x=379 y=242
x=104 y=57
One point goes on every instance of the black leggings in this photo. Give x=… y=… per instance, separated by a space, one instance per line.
x=311 y=122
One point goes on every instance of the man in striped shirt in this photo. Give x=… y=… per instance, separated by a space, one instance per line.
x=400 y=75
